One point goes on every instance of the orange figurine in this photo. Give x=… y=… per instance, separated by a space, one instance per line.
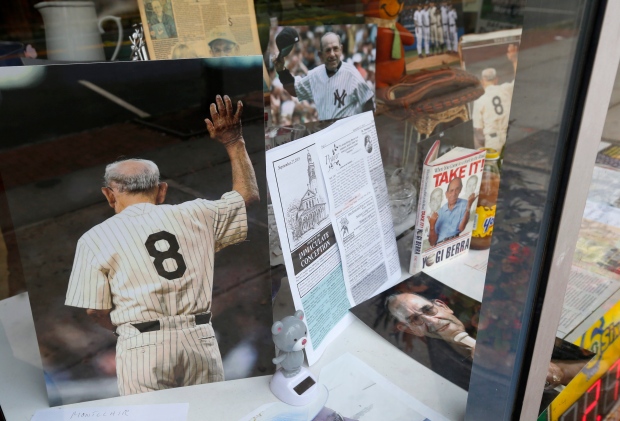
x=391 y=39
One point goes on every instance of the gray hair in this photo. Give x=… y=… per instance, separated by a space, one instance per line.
x=330 y=33
x=489 y=74
x=395 y=311
x=143 y=180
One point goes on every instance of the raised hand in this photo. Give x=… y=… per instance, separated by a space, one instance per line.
x=278 y=63
x=433 y=219
x=471 y=199
x=225 y=125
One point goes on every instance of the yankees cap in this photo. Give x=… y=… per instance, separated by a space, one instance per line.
x=286 y=40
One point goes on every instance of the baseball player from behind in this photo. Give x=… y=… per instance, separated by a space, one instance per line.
x=492 y=110
x=147 y=272
x=337 y=88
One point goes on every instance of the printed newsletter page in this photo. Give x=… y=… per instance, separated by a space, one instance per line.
x=359 y=205
x=311 y=253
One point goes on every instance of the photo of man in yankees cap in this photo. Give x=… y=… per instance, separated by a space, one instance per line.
x=335 y=87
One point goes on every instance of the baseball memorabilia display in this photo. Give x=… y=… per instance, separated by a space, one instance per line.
x=321 y=73
x=431 y=92
x=443 y=228
x=170 y=287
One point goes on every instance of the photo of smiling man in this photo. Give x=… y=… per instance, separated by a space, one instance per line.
x=322 y=73
x=452 y=218
x=429 y=321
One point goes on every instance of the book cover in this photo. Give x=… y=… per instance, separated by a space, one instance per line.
x=448 y=193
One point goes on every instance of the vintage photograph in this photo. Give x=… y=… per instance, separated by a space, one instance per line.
x=138 y=206
x=321 y=73
x=160 y=17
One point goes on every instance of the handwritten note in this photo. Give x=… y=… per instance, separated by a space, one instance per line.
x=167 y=412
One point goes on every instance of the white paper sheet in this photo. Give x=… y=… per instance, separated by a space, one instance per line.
x=355 y=391
x=310 y=200
x=359 y=392
x=360 y=206
x=164 y=412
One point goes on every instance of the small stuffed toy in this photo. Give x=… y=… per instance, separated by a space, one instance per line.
x=289 y=335
x=391 y=38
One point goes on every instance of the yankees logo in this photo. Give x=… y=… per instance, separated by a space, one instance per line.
x=339 y=98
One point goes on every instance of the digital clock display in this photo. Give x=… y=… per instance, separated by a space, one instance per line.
x=598 y=400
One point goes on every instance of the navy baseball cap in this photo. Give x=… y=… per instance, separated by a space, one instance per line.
x=286 y=40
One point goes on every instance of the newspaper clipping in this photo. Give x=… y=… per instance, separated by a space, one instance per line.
x=334 y=220
x=199 y=28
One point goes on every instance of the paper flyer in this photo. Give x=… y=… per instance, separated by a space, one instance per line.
x=331 y=207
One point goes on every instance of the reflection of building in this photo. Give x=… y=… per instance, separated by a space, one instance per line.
x=311 y=208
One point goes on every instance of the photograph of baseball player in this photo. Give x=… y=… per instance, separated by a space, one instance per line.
x=321 y=73
x=437 y=29
x=145 y=254
x=429 y=321
x=491 y=112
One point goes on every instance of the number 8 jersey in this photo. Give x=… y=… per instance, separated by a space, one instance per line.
x=491 y=114
x=154 y=261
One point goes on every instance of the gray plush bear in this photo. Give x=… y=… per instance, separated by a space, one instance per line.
x=289 y=335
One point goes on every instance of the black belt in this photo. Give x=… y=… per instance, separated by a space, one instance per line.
x=492 y=134
x=201 y=319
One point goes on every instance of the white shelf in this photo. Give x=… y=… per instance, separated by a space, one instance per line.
x=466 y=274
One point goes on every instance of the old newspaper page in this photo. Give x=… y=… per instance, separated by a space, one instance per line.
x=199 y=28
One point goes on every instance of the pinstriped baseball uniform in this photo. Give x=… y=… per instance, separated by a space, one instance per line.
x=341 y=95
x=426 y=29
x=436 y=31
x=446 y=27
x=419 y=29
x=491 y=113
x=454 y=37
x=156 y=263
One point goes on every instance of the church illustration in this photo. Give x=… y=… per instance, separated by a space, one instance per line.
x=311 y=210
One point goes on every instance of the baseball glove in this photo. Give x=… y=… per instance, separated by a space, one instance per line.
x=430 y=92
